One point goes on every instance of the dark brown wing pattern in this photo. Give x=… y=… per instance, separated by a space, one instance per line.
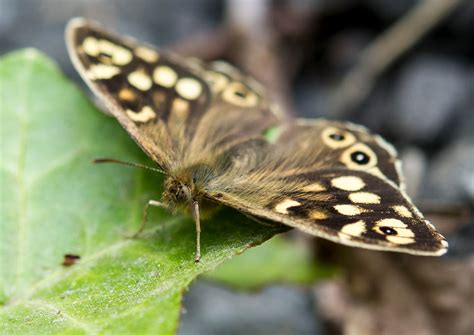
x=333 y=180
x=180 y=111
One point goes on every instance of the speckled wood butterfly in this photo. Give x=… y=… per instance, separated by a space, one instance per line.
x=218 y=139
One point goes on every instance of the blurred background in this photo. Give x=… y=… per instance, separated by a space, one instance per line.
x=403 y=68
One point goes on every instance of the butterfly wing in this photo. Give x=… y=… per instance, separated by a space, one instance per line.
x=333 y=180
x=330 y=179
x=173 y=108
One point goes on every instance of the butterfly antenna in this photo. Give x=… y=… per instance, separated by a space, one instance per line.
x=116 y=161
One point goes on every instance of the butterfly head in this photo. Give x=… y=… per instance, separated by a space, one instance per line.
x=177 y=194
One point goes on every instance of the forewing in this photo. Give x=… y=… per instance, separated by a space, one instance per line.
x=238 y=117
x=180 y=111
x=143 y=88
x=336 y=181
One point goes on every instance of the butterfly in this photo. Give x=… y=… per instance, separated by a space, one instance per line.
x=219 y=139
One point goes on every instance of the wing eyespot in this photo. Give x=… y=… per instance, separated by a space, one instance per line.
x=388 y=230
x=147 y=54
x=359 y=157
x=395 y=231
x=238 y=94
x=337 y=138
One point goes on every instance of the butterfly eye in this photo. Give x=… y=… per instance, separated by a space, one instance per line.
x=238 y=94
x=359 y=157
x=337 y=138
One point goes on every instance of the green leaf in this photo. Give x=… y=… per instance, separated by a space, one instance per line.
x=54 y=201
x=276 y=261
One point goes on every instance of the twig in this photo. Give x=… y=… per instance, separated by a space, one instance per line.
x=387 y=48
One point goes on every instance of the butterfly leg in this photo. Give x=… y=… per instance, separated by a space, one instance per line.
x=198 y=230
x=150 y=203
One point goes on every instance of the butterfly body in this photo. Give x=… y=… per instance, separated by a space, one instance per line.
x=220 y=140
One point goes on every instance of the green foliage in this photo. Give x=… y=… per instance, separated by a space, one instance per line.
x=55 y=202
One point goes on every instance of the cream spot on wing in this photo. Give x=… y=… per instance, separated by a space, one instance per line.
x=107 y=47
x=216 y=80
x=402 y=211
x=90 y=46
x=145 y=115
x=315 y=187
x=102 y=71
x=180 y=108
x=348 y=183
x=405 y=232
x=119 y=54
x=147 y=54
x=189 y=88
x=354 y=229
x=224 y=67
x=392 y=223
x=139 y=79
x=282 y=207
x=364 y=198
x=126 y=94
x=318 y=215
x=348 y=210
x=400 y=240
x=165 y=76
